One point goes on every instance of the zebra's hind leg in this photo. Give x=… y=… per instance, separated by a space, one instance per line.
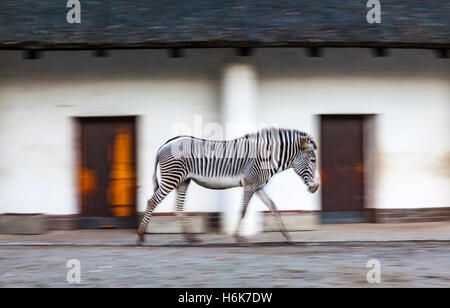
x=152 y=203
x=248 y=193
x=273 y=208
x=181 y=196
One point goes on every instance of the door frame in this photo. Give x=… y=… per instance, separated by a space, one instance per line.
x=369 y=151
x=103 y=222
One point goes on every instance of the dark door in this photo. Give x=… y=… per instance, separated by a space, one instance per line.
x=342 y=168
x=107 y=169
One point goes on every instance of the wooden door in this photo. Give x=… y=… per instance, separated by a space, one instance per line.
x=342 y=168
x=107 y=169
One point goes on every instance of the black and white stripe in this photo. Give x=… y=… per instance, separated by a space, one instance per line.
x=249 y=162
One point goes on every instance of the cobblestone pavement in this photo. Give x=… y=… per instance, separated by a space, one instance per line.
x=407 y=264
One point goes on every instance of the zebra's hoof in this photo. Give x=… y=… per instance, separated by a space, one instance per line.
x=288 y=242
x=195 y=242
x=287 y=237
x=140 y=239
x=192 y=240
x=239 y=239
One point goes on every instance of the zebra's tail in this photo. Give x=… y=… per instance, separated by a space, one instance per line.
x=155 y=177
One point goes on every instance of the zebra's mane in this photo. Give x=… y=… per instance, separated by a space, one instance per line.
x=298 y=133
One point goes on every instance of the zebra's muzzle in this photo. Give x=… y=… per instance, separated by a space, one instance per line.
x=313 y=188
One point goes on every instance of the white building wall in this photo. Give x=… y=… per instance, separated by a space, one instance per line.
x=409 y=90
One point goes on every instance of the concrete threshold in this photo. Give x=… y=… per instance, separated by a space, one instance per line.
x=326 y=235
x=247 y=244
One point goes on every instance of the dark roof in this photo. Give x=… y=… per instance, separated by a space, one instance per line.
x=223 y=23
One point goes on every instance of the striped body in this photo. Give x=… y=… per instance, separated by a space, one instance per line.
x=249 y=162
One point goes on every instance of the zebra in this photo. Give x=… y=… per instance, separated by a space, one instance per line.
x=249 y=162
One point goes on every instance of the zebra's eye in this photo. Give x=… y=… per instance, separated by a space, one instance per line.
x=313 y=160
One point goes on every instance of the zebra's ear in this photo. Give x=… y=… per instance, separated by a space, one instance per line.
x=304 y=143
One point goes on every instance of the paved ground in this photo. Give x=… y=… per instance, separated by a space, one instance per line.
x=410 y=255
x=409 y=264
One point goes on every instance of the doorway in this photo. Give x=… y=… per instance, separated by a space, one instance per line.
x=345 y=167
x=107 y=172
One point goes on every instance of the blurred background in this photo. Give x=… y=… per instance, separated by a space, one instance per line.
x=85 y=106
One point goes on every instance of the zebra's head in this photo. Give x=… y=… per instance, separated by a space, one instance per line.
x=305 y=164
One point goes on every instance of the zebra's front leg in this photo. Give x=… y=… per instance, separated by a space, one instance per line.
x=181 y=196
x=273 y=208
x=248 y=193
